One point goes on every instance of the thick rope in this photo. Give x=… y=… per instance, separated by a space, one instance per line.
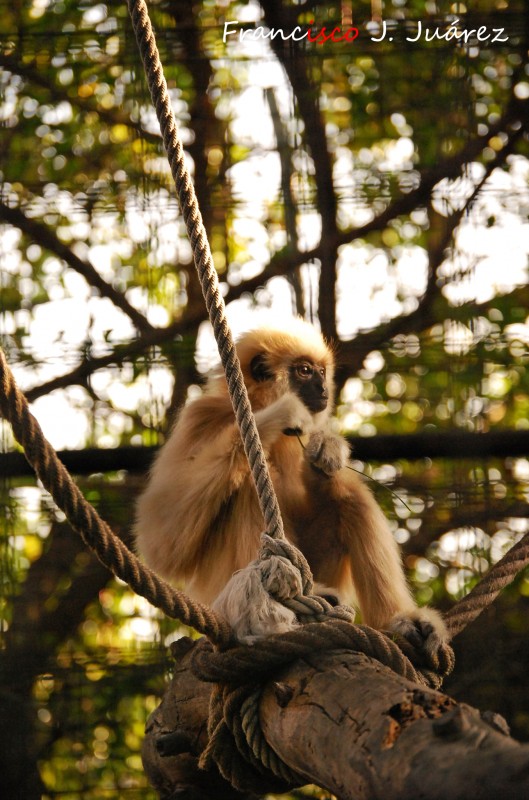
x=205 y=267
x=236 y=743
x=108 y=547
x=485 y=592
x=242 y=664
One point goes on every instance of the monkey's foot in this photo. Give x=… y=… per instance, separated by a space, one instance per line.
x=423 y=628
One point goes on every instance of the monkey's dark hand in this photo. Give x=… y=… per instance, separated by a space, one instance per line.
x=423 y=628
x=327 y=452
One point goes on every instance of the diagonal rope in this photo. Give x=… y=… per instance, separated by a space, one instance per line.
x=485 y=592
x=204 y=265
x=96 y=533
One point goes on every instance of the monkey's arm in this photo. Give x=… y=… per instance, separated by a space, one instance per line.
x=286 y=414
x=384 y=596
x=383 y=593
x=197 y=470
x=327 y=452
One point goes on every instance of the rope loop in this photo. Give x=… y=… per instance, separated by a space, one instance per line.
x=237 y=746
x=236 y=743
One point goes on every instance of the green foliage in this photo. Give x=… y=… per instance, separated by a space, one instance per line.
x=102 y=758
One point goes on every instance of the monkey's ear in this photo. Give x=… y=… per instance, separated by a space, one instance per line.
x=260 y=369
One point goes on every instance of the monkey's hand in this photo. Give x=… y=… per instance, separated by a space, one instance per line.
x=327 y=452
x=423 y=628
x=286 y=415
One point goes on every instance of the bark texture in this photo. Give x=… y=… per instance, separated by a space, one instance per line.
x=176 y=734
x=349 y=725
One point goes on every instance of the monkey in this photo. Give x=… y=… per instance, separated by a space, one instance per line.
x=198 y=520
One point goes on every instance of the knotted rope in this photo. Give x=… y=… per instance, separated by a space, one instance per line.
x=240 y=675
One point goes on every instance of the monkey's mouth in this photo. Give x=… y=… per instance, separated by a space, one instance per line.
x=317 y=404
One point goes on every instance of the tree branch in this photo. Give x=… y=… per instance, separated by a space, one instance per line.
x=31 y=73
x=36 y=627
x=352 y=352
x=314 y=132
x=205 y=125
x=154 y=336
x=46 y=237
x=479 y=515
x=514 y=116
x=289 y=206
x=383 y=448
x=432 y=305
x=351 y=726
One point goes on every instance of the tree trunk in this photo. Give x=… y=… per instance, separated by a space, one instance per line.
x=349 y=725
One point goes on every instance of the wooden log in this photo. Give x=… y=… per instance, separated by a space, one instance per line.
x=176 y=734
x=349 y=725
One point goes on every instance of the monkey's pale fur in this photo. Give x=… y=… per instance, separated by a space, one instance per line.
x=199 y=521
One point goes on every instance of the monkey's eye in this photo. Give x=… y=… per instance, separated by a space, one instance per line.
x=305 y=370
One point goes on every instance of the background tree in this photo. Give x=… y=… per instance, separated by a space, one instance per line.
x=379 y=188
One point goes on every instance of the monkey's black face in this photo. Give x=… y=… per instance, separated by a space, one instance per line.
x=308 y=381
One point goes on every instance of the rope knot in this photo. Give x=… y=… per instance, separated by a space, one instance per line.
x=236 y=742
x=273 y=594
x=282 y=548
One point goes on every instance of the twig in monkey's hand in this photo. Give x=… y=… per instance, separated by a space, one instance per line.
x=363 y=474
